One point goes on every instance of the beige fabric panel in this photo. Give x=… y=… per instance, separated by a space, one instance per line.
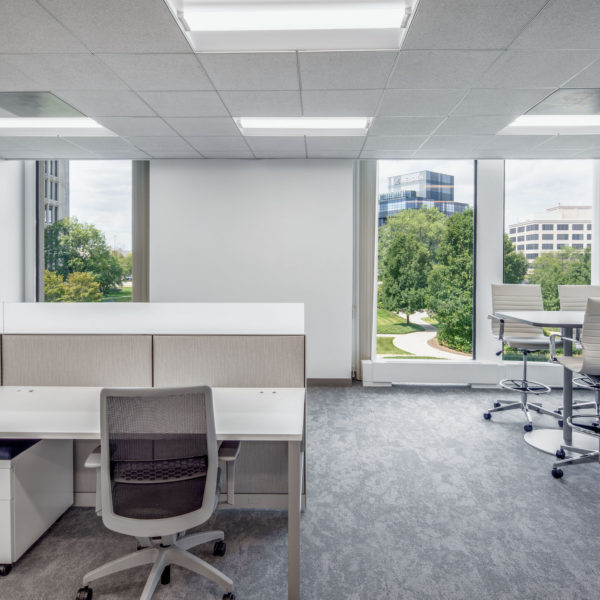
x=78 y=360
x=229 y=360
x=72 y=360
x=516 y=296
x=574 y=297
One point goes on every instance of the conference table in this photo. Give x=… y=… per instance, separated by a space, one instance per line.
x=244 y=414
x=550 y=440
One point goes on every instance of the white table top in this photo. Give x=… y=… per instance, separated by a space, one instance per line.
x=251 y=414
x=544 y=318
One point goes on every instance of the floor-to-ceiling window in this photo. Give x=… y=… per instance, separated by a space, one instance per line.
x=425 y=259
x=84 y=231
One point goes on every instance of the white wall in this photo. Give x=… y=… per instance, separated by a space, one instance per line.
x=259 y=231
x=12 y=262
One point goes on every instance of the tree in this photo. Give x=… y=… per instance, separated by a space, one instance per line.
x=74 y=247
x=79 y=287
x=515 y=263
x=450 y=283
x=567 y=266
x=126 y=262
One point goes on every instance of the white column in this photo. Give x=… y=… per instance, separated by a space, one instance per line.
x=489 y=252
x=596 y=224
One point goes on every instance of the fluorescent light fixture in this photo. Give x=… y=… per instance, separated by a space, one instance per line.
x=295 y=17
x=280 y=25
x=296 y=126
x=553 y=125
x=52 y=126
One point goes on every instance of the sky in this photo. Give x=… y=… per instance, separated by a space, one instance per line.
x=531 y=186
x=100 y=194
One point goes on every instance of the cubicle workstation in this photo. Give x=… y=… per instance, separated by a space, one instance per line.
x=157 y=345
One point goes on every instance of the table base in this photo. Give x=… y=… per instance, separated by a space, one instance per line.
x=549 y=440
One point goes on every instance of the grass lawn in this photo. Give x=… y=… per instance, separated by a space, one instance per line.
x=385 y=346
x=431 y=320
x=119 y=295
x=389 y=322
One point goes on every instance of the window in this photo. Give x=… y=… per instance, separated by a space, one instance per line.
x=90 y=207
x=589 y=236
x=577 y=227
x=589 y=226
x=547 y=246
x=577 y=236
x=513 y=239
x=562 y=227
x=578 y=246
x=531 y=256
x=520 y=229
x=531 y=247
x=425 y=269
x=559 y=246
x=513 y=230
x=533 y=227
x=531 y=236
x=548 y=227
x=521 y=248
x=562 y=236
x=547 y=236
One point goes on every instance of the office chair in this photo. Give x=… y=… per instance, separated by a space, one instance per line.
x=526 y=339
x=159 y=478
x=588 y=367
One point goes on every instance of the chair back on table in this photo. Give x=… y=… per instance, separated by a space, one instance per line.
x=516 y=296
x=590 y=338
x=574 y=297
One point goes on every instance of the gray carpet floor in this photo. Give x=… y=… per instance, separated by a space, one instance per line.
x=411 y=495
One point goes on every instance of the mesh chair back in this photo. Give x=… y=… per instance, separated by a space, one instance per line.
x=574 y=297
x=590 y=338
x=159 y=455
x=516 y=296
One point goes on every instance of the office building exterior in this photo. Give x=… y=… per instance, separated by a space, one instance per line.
x=559 y=227
x=424 y=189
x=53 y=190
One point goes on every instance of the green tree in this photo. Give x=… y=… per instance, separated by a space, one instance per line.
x=515 y=263
x=567 y=266
x=450 y=284
x=126 y=262
x=54 y=288
x=79 y=287
x=74 y=247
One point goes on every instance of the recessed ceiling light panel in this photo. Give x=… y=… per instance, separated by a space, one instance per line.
x=52 y=127
x=298 y=126
x=279 y=25
x=536 y=124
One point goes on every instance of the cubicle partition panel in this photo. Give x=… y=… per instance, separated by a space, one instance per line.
x=78 y=360
x=269 y=361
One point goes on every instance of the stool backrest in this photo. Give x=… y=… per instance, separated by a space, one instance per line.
x=574 y=297
x=516 y=296
x=590 y=338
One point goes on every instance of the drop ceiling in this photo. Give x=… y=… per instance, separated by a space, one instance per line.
x=466 y=69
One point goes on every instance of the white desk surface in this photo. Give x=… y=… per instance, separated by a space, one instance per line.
x=251 y=414
x=544 y=318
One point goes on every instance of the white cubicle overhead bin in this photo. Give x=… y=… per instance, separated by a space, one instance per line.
x=159 y=318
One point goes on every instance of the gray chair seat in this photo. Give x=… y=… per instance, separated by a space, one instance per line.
x=573 y=363
x=528 y=343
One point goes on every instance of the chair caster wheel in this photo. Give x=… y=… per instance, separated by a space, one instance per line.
x=487 y=416
x=229 y=596
x=557 y=473
x=219 y=549
x=560 y=454
x=84 y=593
x=5 y=569
x=497 y=405
x=165 y=577
x=560 y=423
x=558 y=411
x=528 y=427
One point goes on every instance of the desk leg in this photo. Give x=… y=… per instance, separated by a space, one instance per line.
x=294 y=492
x=567 y=389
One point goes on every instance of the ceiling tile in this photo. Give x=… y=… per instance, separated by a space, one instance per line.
x=473 y=125
x=26 y=27
x=350 y=143
x=386 y=154
x=218 y=143
x=228 y=154
x=203 y=126
x=13 y=80
x=106 y=103
x=163 y=146
x=536 y=69
x=416 y=103
x=345 y=70
x=136 y=126
x=394 y=142
x=117 y=26
x=482 y=102
x=252 y=71
x=276 y=143
x=404 y=125
x=446 y=154
x=514 y=142
x=589 y=78
x=185 y=104
x=565 y=142
x=591 y=153
x=103 y=145
x=42 y=147
x=438 y=69
x=280 y=154
x=65 y=71
x=469 y=24
x=167 y=72
x=455 y=142
x=340 y=153
x=263 y=104
x=566 y=24
x=340 y=103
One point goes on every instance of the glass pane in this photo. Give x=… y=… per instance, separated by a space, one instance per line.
x=86 y=231
x=425 y=267
x=554 y=197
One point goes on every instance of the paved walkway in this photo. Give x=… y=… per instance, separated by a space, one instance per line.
x=417 y=343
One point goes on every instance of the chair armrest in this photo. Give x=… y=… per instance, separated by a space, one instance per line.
x=93 y=459
x=553 y=339
x=229 y=451
x=501 y=323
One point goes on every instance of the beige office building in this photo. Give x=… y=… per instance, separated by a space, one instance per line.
x=53 y=182
x=558 y=227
